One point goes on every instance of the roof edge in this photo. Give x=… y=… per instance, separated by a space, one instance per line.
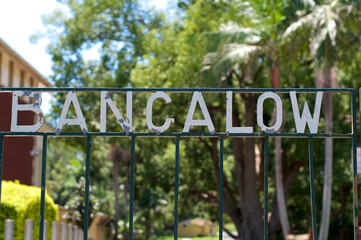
x=27 y=65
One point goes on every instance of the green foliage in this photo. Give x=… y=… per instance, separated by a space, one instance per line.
x=193 y=238
x=20 y=202
x=145 y=49
x=65 y=167
x=77 y=207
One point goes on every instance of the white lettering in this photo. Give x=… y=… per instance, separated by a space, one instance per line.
x=229 y=127
x=207 y=121
x=168 y=121
x=71 y=98
x=278 y=121
x=35 y=107
x=125 y=124
x=306 y=117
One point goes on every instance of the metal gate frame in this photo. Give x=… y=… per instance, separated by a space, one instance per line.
x=221 y=136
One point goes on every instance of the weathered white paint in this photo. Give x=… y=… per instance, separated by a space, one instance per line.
x=126 y=124
x=71 y=98
x=306 y=117
x=229 y=127
x=278 y=121
x=149 y=114
x=35 y=107
x=207 y=121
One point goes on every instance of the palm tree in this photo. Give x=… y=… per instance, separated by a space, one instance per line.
x=325 y=20
x=242 y=47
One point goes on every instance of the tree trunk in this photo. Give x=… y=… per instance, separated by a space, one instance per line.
x=252 y=223
x=115 y=158
x=327 y=184
x=281 y=201
x=229 y=202
x=276 y=77
x=327 y=82
x=125 y=209
x=282 y=206
x=290 y=176
x=115 y=155
x=116 y=201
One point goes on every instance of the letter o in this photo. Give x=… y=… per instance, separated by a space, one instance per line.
x=278 y=121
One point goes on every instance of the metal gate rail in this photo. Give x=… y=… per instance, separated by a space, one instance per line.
x=221 y=136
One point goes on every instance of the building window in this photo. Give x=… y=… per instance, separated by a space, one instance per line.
x=11 y=74
x=22 y=78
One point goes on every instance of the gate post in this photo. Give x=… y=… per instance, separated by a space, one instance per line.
x=29 y=224
x=63 y=231
x=54 y=230
x=9 y=229
x=70 y=231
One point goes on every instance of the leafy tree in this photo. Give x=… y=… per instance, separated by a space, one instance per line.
x=257 y=34
x=143 y=49
x=117 y=27
x=327 y=21
x=76 y=205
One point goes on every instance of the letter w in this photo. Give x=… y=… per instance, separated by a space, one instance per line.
x=306 y=115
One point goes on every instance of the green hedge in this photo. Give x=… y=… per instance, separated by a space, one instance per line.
x=20 y=202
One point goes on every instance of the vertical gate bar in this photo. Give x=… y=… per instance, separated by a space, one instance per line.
x=221 y=188
x=312 y=188
x=176 y=186
x=1 y=162
x=355 y=194
x=43 y=181
x=131 y=189
x=265 y=223
x=87 y=183
x=354 y=164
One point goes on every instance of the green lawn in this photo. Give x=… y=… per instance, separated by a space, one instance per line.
x=230 y=226
x=194 y=238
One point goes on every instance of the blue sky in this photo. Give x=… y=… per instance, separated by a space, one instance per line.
x=19 y=19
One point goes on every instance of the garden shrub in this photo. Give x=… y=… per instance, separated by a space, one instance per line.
x=20 y=202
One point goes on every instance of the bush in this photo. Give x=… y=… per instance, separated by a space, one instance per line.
x=20 y=202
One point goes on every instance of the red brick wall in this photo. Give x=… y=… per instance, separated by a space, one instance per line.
x=18 y=162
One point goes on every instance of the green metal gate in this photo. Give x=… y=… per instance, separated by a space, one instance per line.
x=178 y=136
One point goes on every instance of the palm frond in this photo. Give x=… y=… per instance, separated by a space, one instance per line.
x=308 y=3
x=308 y=19
x=239 y=33
x=236 y=53
x=318 y=40
x=231 y=54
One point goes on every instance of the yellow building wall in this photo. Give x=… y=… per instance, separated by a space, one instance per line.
x=189 y=230
x=192 y=230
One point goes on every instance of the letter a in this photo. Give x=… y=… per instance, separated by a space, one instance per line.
x=207 y=121
x=71 y=98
